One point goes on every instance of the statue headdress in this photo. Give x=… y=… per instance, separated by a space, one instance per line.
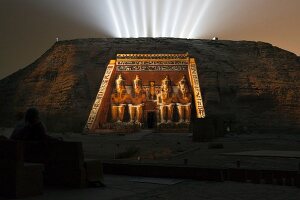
x=120 y=80
x=137 y=81
x=183 y=81
x=166 y=81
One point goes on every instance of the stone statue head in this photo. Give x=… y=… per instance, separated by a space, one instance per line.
x=120 y=84
x=183 y=85
x=166 y=84
x=137 y=84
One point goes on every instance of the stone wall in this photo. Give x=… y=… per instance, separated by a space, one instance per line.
x=252 y=85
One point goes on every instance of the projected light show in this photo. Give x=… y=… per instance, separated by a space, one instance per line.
x=149 y=99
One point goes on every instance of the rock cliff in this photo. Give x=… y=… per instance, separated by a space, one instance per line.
x=252 y=85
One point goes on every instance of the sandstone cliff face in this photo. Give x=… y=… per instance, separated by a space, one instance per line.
x=253 y=85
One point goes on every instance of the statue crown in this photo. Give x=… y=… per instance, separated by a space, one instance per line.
x=166 y=81
x=137 y=80
x=183 y=81
x=120 y=80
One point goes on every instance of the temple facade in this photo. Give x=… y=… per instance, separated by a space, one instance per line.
x=159 y=91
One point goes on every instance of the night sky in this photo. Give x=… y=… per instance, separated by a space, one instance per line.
x=30 y=27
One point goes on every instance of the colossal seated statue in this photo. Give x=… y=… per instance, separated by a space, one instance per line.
x=184 y=99
x=138 y=98
x=119 y=99
x=165 y=101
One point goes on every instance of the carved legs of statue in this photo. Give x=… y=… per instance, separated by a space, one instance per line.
x=180 y=113
x=166 y=113
x=163 y=113
x=136 y=113
x=139 y=113
x=117 y=113
x=188 y=113
x=132 y=112
x=170 y=113
x=121 y=110
x=114 y=113
x=184 y=112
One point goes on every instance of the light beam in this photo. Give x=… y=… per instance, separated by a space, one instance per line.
x=177 y=13
x=118 y=4
x=199 y=19
x=134 y=17
x=114 y=18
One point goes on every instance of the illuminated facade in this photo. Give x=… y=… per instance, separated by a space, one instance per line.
x=159 y=91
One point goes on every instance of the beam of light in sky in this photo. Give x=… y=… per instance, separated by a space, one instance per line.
x=177 y=18
x=177 y=15
x=199 y=18
x=149 y=14
x=166 y=17
x=134 y=17
x=123 y=18
x=139 y=17
x=41 y=21
x=114 y=18
x=144 y=18
x=192 y=8
x=154 y=18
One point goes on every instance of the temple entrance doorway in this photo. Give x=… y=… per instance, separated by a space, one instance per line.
x=151 y=120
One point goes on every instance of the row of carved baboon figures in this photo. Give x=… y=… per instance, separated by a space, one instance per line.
x=165 y=100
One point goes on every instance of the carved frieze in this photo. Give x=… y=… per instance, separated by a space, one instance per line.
x=152 y=56
x=196 y=87
x=99 y=97
x=152 y=67
x=154 y=62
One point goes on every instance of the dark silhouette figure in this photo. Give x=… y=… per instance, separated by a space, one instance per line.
x=32 y=129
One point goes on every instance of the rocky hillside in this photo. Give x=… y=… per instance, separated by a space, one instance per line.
x=254 y=85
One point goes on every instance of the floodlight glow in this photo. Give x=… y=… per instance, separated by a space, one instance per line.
x=134 y=17
x=123 y=19
x=149 y=14
x=192 y=7
x=176 y=18
x=114 y=18
x=154 y=17
x=144 y=17
x=198 y=19
x=166 y=18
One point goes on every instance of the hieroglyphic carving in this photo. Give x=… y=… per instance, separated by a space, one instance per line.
x=100 y=95
x=152 y=62
x=152 y=56
x=196 y=87
x=152 y=68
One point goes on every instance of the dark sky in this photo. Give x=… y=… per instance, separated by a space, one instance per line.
x=30 y=27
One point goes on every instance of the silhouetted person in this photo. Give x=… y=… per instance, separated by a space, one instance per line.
x=31 y=129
